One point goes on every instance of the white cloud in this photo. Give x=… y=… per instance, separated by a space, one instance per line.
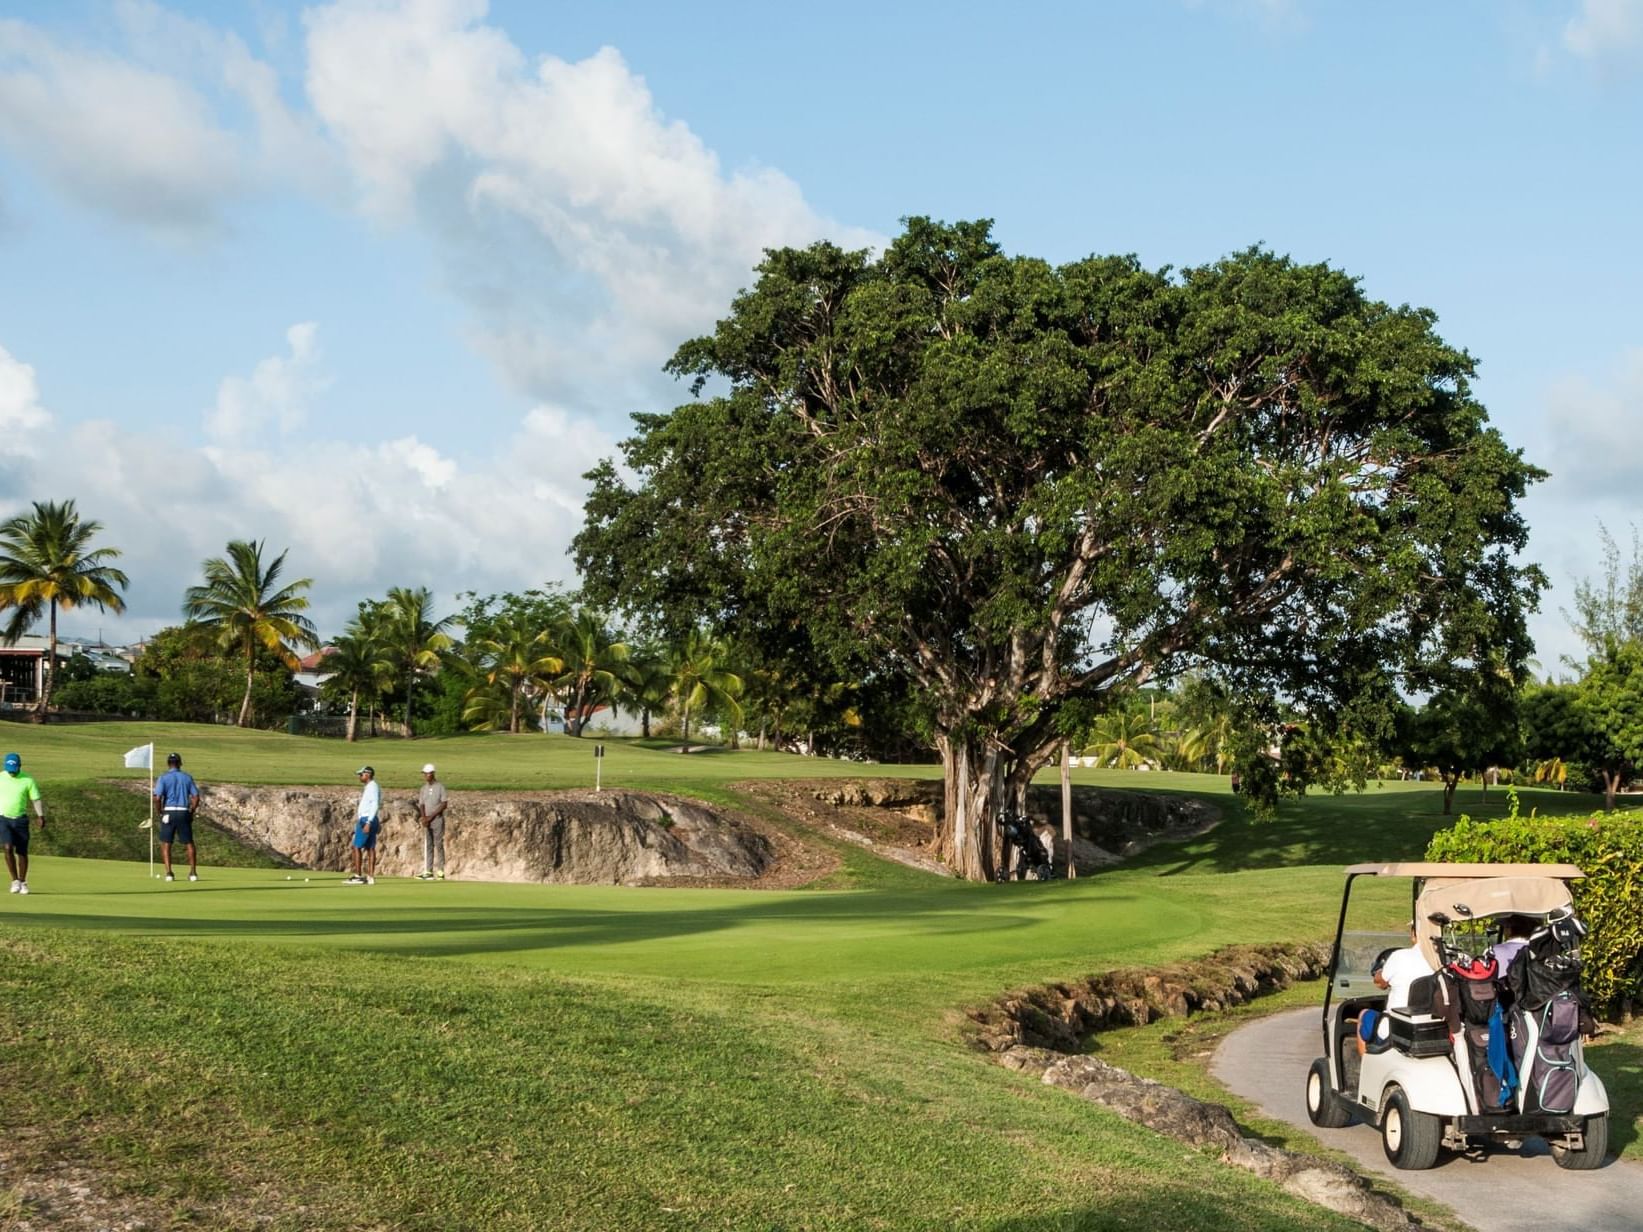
x=276 y=394
x=357 y=518
x=21 y=415
x=151 y=133
x=589 y=233
x=1591 y=430
x=1606 y=31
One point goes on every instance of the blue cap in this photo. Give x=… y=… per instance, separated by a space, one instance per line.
x=13 y=762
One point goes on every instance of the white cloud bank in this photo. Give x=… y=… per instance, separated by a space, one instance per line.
x=356 y=517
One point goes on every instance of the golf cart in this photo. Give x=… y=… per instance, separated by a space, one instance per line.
x=1431 y=1076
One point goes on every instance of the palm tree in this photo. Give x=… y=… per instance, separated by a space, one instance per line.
x=412 y=638
x=698 y=679
x=593 y=665
x=47 y=562
x=511 y=661
x=244 y=604
x=643 y=687
x=357 y=667
x=1124 y=740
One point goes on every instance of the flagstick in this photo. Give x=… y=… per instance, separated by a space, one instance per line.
x=151 y=810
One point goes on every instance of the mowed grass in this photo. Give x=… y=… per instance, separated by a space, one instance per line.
x=465 y=1055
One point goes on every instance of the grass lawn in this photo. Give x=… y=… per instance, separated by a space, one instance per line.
x=473 y=1055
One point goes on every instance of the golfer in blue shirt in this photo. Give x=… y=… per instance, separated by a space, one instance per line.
x=177 y=796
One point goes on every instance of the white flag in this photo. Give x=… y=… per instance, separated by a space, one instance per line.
x=140 y=758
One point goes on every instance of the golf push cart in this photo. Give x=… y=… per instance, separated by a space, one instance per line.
x=1480 y=1056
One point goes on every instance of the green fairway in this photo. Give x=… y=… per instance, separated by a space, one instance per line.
x=274 y=1043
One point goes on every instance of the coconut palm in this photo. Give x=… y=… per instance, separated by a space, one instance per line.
x=513 y=660
x=243 y=603
x=643 y=687
x=698 y=678
x=594 y=663
x=412 y=639
x=357 y=667
x=1124 y=740
x=47 y=562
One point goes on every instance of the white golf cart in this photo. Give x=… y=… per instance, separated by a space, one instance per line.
x=1416 y=1080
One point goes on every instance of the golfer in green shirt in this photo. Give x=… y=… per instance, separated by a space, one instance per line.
x=16 y=790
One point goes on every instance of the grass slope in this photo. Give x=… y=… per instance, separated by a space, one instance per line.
x=469 y=1055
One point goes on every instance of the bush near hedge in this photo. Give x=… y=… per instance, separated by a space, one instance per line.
x=1609 y=850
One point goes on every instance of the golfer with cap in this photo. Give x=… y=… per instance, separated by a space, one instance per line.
x=431 y=802
x=366 y=827
x=177 y=796
x=16 y=791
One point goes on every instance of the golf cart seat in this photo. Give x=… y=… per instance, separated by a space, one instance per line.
x=1420 y=1029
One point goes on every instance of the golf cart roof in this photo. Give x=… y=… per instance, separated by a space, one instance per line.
x=1468 y=872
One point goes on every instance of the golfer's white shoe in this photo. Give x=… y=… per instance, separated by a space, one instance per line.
x=16 y=886
x=169 y=877
x=370 y=880
x=22 y=887
x=193 y=876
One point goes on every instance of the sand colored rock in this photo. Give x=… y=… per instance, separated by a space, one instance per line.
x=581 y=837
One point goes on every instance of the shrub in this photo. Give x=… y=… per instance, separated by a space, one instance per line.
x=1609 y=849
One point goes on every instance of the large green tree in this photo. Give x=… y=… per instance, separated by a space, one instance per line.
x=1596 y=721
x=1461 y=729
x=1024 y=486
x=47 y=562
x=516 y=658
x=244 y=604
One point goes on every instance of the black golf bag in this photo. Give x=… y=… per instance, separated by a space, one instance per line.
x=1549 y=1015
x=1023 y=851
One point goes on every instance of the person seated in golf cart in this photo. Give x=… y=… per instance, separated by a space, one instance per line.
x=1395 y=972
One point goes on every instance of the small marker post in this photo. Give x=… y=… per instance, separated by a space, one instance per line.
x=598 y=766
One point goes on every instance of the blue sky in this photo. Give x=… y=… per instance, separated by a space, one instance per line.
x=377 y=282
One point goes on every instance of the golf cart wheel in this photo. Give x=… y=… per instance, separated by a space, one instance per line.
x=1322 y=1104
x=1044 y=872
x=1591 y=1155
x=1411 y=1139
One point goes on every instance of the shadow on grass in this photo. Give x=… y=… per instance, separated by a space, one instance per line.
x=1378 y=823
x=455 y=931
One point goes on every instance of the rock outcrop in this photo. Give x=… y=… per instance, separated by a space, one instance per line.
x=584 y=837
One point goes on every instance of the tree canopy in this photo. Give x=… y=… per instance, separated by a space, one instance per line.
x=1025 y=487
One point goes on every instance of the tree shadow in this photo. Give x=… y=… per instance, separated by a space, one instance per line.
x=1378 y=823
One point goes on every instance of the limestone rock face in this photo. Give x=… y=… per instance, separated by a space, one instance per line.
x=582 y=837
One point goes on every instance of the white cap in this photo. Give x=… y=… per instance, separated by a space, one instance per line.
x=428 y=769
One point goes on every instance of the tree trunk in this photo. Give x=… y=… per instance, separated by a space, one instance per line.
x=1067 y=805
x=973 y=783
x=410 y=692
x=761 y=734
x=250 y=676
x=49 y=680
x=1450 y=782
x=353 y=716
x=1611 y=785
x=644 y=722
x=513 y=711
x=684 y=727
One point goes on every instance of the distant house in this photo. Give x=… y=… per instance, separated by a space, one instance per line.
x=23 y=665
x=311 y=674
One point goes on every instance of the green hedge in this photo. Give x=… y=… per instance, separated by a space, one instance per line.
x=1609 y=849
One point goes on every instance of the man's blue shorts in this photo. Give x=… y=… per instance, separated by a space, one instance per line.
x=14 y=833
x=365 y=833
x=176 y=826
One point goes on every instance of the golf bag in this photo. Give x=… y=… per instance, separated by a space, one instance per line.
x=1549 y=1016
x=1023 y=851
x=1473 y=998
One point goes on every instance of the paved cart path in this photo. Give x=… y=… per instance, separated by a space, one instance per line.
x=1509 y=1191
